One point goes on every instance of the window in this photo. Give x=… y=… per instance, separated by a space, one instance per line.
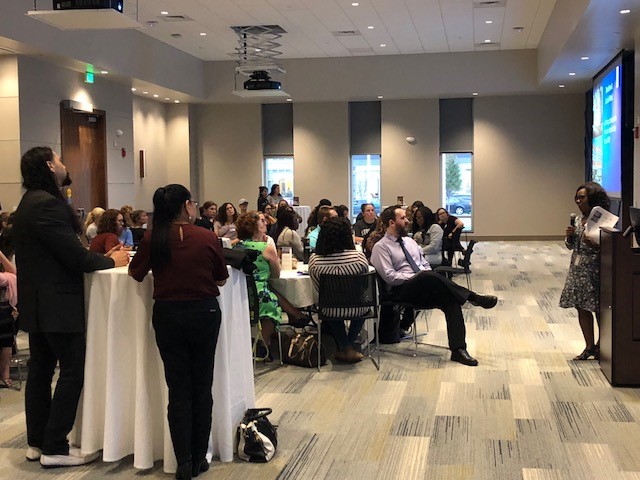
x=457 y=193
x=280 y=170
x=365 y=182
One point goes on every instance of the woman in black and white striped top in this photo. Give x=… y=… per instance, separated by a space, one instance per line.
x=336 y=255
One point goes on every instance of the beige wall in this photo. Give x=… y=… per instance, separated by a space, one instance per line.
x=410 y=170
x=230 y=148
x=528 y=162
x=42 y=87
x=177 y=160
x=10 y=179
x=321 y=152
x=149 y=134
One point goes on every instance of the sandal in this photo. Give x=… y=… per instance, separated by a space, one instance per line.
x=8 y=383
x=594 y=352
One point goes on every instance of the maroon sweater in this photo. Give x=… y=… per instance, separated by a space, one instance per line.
x=196 y=264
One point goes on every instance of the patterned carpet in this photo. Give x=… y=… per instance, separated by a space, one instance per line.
x=527 y=412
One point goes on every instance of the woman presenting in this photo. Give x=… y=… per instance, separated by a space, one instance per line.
x=582 y=287
x=188 y=268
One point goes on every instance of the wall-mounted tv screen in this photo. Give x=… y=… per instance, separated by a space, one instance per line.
x=606 y=143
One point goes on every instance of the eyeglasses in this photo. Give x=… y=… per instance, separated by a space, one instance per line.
x=194 y=203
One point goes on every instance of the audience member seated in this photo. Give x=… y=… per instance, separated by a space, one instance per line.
x=336 y=255
x=243 y=203
x=367 y=223
x=252 y=232
x=263 y=192
x=373 y=238
x=109 y=229
x=342 y=211
x=139 y=219
x=312 y=221
x=428 y=234
x=324 y=212
x=225 y=223
x=274 y=196
x=126 y=235
x=286 y=233
x=452 y=227
x=8 y=314
x=208 y=212
x=399 y=261
x=411 y=212
x=91 y=223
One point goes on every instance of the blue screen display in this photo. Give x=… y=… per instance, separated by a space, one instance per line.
x=606 y=154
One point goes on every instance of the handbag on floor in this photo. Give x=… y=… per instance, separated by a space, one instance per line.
x=303 y=351
x=256 y=436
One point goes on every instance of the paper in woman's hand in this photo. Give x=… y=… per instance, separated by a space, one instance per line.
x=597 y=219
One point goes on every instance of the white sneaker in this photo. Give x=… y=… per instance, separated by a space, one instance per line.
x=74 y=458
x=33 y=454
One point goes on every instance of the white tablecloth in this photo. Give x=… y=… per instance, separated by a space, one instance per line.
x=296 y=286
x=124 y=404
x=304 y=212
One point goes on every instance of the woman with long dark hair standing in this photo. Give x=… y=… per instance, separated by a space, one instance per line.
x=188 y=268
x=582 y=287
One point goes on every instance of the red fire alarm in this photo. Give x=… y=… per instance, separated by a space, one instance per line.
x=124 y=152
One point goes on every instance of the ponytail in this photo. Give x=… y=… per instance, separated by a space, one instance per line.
x=167 y=205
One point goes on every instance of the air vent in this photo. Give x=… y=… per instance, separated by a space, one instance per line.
x=489 y=3
x=360 y=51
x=346 y=33
x=488 y=46
x=176 y=35
x=175 y=18
x=259 y=29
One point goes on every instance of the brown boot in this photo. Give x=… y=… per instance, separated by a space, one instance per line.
x=349 y=355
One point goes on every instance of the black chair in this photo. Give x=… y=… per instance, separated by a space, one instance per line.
x=349 y=292
x=463 y=268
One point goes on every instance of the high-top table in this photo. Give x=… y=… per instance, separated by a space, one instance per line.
x=124 y=405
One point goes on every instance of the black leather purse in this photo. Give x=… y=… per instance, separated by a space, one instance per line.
x=241 y=258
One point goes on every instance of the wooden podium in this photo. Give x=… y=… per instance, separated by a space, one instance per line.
x=619 y=308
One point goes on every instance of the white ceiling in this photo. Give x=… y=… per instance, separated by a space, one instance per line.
x=404 y=26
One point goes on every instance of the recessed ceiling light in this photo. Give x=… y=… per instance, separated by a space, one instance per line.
x=164 y=13
x=203 y=34
x=487 y=41
x=488 y=21
x=289 y=100
x=258 y=49
x=104 y=72
x=572 y=74
x=145 y=92
x=167 y=98
x=475 y=94
x=355 y=4
x=370 y=27
x=383 y=45
x=561 y=85
x=584 y=58
x=176 y=101
x=625 y=11
x=155 y=95
x=133 y=89
x=380 y=97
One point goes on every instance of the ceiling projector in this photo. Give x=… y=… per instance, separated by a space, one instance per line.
x=260 y=80
x=88 y=4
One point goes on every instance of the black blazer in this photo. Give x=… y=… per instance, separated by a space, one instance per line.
x=51 y=260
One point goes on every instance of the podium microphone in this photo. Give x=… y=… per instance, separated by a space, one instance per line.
x=572 y=222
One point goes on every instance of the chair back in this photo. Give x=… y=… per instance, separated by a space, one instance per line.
x=348 y=291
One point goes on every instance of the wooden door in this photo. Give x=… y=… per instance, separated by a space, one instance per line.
x=84 y=152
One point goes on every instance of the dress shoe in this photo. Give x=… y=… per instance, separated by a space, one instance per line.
x=199 y=467
x=462 y=356
x=484 y=301
x=348 y=355
x=73 y=459
x=184 y=471
x=587 y=353
x=33 y=454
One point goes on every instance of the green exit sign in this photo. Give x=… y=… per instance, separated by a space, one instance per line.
x=88 y=77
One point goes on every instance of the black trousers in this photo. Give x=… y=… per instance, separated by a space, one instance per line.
x=50 y=419
x=430 y=290
x=187 y=334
